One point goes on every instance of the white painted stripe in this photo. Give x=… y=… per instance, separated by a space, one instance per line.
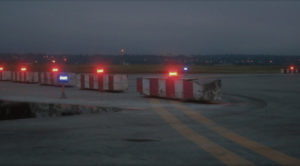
x=42 y=77
x=179 y=89
x=36 y=77
x=146 y=86
x=162 y=88
x=198 y=90
x=105 y=82
x=18 y=76
x=120 y=82
x=55 y=79
x=96 y=86
x=86 y=81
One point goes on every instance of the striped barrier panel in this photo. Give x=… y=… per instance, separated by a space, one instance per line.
x=115 y=82
x=5 y=76
x=51 y=79
x=25 y=77
x=183 y=89
x=287 y=71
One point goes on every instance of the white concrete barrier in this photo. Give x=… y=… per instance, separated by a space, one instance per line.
x=183 y=89
x=5 y=76
x=114 y=82
x=51 y=79
x=25 y=77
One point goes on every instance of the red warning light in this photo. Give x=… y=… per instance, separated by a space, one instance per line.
x=55 y=69
x=292 y=67
x=100 y=70
x=23 y=69
x=173 y=74
x=1 y=68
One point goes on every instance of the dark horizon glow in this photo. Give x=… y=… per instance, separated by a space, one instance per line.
x=160 y=27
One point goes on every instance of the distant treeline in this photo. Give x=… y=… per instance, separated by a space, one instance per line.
x=151 y=59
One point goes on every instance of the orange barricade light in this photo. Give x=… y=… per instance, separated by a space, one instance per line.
x=173 y=74
x=23 y=69
x=292 y=68
x=55 y=69
x=100 y=70
x=1 y=68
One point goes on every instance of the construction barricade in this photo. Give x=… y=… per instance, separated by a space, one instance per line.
x=183 y=89
x=5 y=75
x=103 y=82
x=51 y=79
x=25 y=77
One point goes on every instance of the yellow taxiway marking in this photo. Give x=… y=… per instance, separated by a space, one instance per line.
x=219 y=152
x=263 y=150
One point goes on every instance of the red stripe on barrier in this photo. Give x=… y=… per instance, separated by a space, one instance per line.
x=1 y=76
x=91 y=81
x=25 y=78
x=188 y=89
x=20 y=78
x=100 y=82
x=45 y=78
x=139 y=82
x=153 y=86
x=170 y=88
x=16 y=79
x=111 y=82
x=82 y=81
x=39 y=77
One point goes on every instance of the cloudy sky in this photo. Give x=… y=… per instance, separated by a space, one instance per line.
x=145 y=27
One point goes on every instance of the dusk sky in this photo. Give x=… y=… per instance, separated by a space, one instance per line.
x=145 y=27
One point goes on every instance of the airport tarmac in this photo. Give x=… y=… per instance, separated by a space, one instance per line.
x=256 y=123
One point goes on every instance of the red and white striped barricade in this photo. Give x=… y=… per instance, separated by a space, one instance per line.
x=182 y=89
x=5 y=75
x=51 y=79
x=287 y=71
x=25 y=77
x=106 y=82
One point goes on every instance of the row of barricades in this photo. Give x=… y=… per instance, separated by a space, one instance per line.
x=173 y=88
x=101 y=82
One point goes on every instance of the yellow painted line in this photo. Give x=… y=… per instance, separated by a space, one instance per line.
x=263 y=150
x=222 y=154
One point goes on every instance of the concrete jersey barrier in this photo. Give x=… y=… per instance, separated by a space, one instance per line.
x=51 y=79
x=25 y=77
x=183 y=89
x=5 y=76
x=107 y=82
